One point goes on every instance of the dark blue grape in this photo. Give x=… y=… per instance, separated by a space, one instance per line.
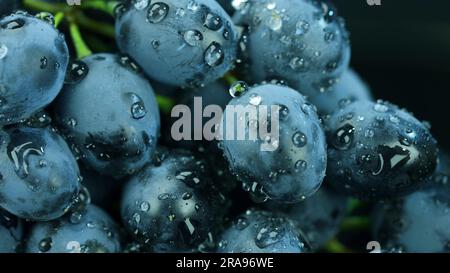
x=35 y=46
x=172 y=206
x=318 y=217
x=178 y=42
x=87 y=230
x=417 y=222
x=295 y=167
x=261 y=232
x=377 y=150
x=302 y=42
x=11 y=232
x=109 y=115
x=349 y=88
x=39 y=177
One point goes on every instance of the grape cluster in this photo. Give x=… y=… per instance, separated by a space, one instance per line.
x=89 y=163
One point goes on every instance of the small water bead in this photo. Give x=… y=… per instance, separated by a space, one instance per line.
x=157 y=12
x=180 y=12
x=47 y=17
x=283 y=112
x=72 y=122
x=226 y=34
x=381 y=108
x=3 y=51
x=298 y=64
x=45 y=244
x=238 y=4
x=155 y=44
x=299 y=139
x=241 y=223
x=193 y=37
x=300 y=165
x=193 y=6
x=145 y=206
x=214 y=55
x=238 y=88
x=119 y=9
x=213 y=21
x=369 y=133
x=255 y=100
x=301 y=28
x=140 y=4
x=186 y=196
x=44 y=62
x=75 y=217
x=329 y=36
x=137 y=218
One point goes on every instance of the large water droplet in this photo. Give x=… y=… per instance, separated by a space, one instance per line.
x=193 y=37
x=214 y=54
x=343 y=137
x=157 y=12
x=77 y=71
x=138 y=110
x=213 y=21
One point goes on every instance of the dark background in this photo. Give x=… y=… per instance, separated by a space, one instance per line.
x=402 y=50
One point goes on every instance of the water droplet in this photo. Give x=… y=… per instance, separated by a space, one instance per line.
x=193 y=37
x=155 y=44
x=119 y=10
x=75 y=217
x=137 y=110
x=381 y=108
x=238 y=88
x=163 y=196
x=300 y=165
x=255 y=100
x=127 y=62
x=180 y=12
x=3 y=51
x=145 y=206
x=137 y=218
x=45 y=244
x=193 y=6
x=343 y=137
x=72 y=122
x=302 y=27
x=275 y=22
x=299 y=139
x=241 y=223
x=140 y=4
x=269 y=234
x=13 y=24
x=157 y=12
x=214 y=54
x=186 y=196
x=47 y=17
x=329 y=36
x=298 y=64
x=77 y=71
x=283 y=112
x=213 y=21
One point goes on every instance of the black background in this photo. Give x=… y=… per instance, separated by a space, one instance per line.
x=402 y=50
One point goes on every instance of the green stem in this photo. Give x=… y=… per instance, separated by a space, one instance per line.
x=95 y=26
x=106 y=6
x=354 y=204
x=165 y=103
x=58 y=18
x=80 y=46
x=230 y=78
x=335 y=246
x=353 y=223
x=44 y=6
